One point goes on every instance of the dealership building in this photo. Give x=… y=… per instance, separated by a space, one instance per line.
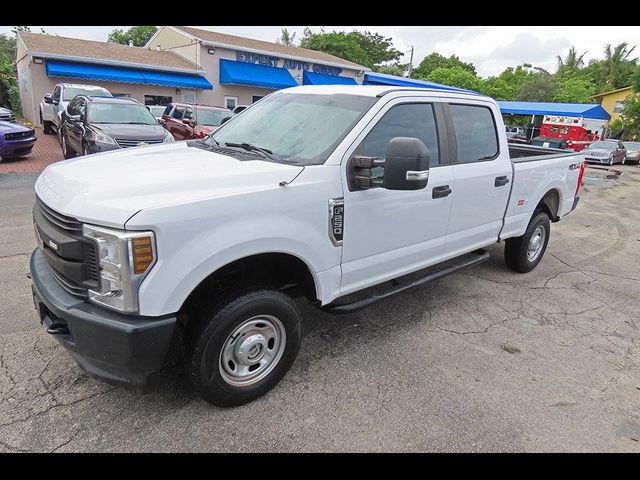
x=178 y=64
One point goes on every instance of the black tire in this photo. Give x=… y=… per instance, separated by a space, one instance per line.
x=67 y=151
x=46 y=126
x=205 y=364
x=516 y=249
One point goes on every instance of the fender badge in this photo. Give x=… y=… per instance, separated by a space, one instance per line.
x=53 y=245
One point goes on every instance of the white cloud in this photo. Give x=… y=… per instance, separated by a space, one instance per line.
x=491 y=49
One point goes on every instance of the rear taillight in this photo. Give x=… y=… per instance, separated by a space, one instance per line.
x=582 y=165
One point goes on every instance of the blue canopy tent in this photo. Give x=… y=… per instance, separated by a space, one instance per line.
x=57 y=68
x=585 y=110
x=373 y=78
x=263 y=76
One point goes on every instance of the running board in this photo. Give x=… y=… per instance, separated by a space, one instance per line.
x=478 y=256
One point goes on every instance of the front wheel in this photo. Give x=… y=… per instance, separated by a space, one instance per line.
x=523 y=253
x=46 y=126
x=611 y=161
x=244 y=346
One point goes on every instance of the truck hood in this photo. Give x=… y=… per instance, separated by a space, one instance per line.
x=108 y=188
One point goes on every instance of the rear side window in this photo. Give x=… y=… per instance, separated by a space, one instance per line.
x=476 y=135
x=407 y=120
x=178 y=113
x=167 y=111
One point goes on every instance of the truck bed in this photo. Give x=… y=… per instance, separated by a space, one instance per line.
x=527 y=153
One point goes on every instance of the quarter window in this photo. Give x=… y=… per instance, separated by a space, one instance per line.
x=407 y=120
x=476 y=135
x=178 y=113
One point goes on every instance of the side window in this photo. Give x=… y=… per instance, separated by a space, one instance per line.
x=56 y=93
x=178 y=113
x=167 y=111
x=476 y=135
x=408 y=120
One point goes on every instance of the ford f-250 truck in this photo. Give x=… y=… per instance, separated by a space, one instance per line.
x=315 y=191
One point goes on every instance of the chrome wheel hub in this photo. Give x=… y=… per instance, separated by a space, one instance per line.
x=536 y=242
x=252 y=350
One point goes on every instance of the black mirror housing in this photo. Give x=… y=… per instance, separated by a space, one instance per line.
x=224 y=120
x=406 y=165
x=48 y=99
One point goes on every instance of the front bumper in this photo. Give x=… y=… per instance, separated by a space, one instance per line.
x=108 y=345
x=17 y=147
x=601 y=160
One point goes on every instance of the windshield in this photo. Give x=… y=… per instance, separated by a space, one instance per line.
x=119 y=113
x=605 y=145
x=211 y=117
x=297 y=128
x=631 y=145
x=70 y=92
x=157 y=110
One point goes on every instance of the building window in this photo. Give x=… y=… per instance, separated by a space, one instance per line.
x=255 y=98
x=157 y=100
x=189 y=97
x=231 y=102
x=125 y=95
x=618 y=107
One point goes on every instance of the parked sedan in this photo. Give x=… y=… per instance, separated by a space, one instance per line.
x=7 y=115
x=98 y=124
x=633 y=152
x=605 y=152
x=186 y=121
x=16 y=140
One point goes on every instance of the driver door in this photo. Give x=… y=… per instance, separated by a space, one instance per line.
x=389 y=233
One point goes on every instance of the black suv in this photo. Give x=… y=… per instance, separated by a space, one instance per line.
x=98 y=124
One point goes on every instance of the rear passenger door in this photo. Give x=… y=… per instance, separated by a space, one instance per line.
x=482 y=177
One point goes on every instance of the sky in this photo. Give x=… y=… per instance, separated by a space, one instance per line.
x=491 y=49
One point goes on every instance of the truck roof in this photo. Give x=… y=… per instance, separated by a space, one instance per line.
x=369 y=90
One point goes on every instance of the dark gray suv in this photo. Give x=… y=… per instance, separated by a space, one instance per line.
x=98 y=124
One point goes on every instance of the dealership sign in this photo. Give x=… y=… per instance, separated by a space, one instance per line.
x=271 y=61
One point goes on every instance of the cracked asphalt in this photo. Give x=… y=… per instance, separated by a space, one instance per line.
x=483 y=360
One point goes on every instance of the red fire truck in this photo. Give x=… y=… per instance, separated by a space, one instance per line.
x=577 y=131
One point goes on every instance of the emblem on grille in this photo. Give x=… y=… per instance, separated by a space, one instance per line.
x=142 y=144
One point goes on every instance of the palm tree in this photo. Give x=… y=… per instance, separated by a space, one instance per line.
x=572 y=61
x=617 y=64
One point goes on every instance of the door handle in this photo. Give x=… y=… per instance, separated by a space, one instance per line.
x=440 y=192
x=500 y=181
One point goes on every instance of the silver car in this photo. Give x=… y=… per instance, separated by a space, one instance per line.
x=633 y=152
x=605 y=152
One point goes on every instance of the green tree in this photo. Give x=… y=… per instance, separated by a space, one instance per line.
x=8 y=46
x=435 y=60
x=539 y=87
x=615 y=69
x=631 y=114
x=286 y=38
x=140 y=35
x=365 y=48
x=507 y=85
x=391 y=70
x=455 y=77
x=8 y=84
x=574 y=90
x=572 y=61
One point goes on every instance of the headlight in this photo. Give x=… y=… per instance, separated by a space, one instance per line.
x=102 y=138
x=168 y=138
x=124 y=260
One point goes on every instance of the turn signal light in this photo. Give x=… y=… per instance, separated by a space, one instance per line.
x=142 y=254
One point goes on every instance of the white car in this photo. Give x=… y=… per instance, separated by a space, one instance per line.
x=315 y=192
x=52 y=105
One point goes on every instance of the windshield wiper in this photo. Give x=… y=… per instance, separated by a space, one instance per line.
x=253 y=148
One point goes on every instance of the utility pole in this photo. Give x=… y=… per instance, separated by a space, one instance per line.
x=411 y=62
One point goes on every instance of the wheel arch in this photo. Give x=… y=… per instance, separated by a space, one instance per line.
x=549 y=203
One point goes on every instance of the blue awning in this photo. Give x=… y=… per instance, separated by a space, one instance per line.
x=312 y=78
x=373 y=78
x=263 y=76
x=585 y=110
x=56 y=68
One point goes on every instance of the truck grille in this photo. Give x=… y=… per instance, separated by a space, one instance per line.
x=7 y=117
x=73 y=259
x=127 y=142
x=18 y=135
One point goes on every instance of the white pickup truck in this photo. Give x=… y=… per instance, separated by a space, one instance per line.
x=315 y=191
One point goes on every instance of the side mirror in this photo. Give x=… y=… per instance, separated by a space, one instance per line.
x=406 y=165
x=48 y=99
x=224 y=120
x=161 y=121
x=74 y=118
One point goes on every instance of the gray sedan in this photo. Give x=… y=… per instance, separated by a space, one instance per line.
x=605 y=152
x=633 y=152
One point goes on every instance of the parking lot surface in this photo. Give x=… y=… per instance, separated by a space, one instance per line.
x=483 y=360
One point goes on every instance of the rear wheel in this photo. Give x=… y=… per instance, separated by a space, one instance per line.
x=67 y=151
x=244 y=346
x=523 y=253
